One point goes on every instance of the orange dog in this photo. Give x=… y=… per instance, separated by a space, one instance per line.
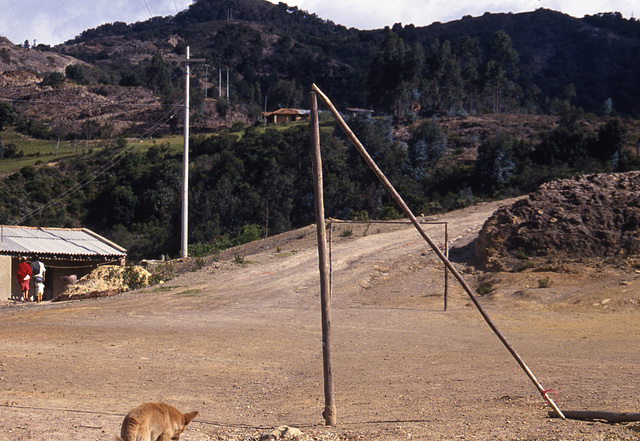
x=154 y=422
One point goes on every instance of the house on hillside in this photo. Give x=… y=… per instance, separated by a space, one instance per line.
x=66 y=253
x=286 y=115
x=356 y=111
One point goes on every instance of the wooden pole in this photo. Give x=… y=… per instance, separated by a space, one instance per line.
x=405 y=208
x=591 y=415
x=329 y=412
x=446 y=271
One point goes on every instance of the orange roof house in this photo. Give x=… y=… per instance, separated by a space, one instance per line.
x=286 y=115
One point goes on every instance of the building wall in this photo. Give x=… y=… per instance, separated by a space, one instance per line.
x=56 y=270
x=278 y=119
x=6 y=277
x=54 y=284
x=285 y=118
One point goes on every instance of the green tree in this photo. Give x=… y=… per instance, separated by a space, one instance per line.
x=469 y=55
x=60 y=128
x=90 y=129
x=394 y=75
x=75 y=73
x=501 y=68
x=564 y=145
x=285 y=93
x=500 y=160
x=129 y=79
x=7 y=115
x=33 y=128
x=122 y=204
x=443 y=77
x=376 y=136
x=159 y=76
x=610 y=141
x=427 y=147
x=53 y=79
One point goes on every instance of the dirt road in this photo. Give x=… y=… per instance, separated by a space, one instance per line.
x=240 y=341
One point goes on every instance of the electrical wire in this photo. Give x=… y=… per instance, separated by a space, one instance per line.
x=145 y=3
x=84 y=103
x=102 y=169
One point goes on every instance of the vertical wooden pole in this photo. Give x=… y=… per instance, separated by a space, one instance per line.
x=463 y=283
x=446 y=270
x=329 y=412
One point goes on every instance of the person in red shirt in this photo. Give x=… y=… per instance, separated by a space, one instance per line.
x=24 y=277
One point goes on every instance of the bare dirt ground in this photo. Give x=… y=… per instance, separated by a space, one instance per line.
x=240 y=341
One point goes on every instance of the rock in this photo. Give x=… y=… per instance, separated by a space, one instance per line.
x=593 y=215
x=106 y=280
x=282 y=432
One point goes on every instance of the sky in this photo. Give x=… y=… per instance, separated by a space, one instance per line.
x=56 y=21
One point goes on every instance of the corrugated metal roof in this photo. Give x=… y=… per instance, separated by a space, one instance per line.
x=56 y=241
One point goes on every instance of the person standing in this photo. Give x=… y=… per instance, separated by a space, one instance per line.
x=38 y=270
x=24 y=277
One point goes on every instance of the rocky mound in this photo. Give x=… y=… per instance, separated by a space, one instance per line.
x=106 y=280
x=587 y=216
x=16 y=58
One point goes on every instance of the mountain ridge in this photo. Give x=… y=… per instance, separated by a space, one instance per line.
x=264 y=43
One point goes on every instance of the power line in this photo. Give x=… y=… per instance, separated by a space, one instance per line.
x=102 y=169
x=145 y=3
x=92 y=103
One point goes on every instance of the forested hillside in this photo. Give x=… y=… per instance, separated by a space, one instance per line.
x=495 y=63
x=243 y=188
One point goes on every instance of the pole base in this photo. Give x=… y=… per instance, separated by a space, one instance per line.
x=329 y=415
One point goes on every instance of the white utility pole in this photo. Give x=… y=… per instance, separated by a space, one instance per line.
x=184 y=242
x=206 y=81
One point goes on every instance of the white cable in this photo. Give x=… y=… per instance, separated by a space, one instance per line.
x=102 y=169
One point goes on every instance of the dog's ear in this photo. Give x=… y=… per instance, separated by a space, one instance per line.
x=189 y=416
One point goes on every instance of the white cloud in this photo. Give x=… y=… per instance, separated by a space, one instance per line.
x=55 y=21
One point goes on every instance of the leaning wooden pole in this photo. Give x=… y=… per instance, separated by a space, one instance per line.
x=407 y=211
x=590 y=415
x=329 y=412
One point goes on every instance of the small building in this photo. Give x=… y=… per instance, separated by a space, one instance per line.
x=67 y=254
x=286 y=115
x=356 y=111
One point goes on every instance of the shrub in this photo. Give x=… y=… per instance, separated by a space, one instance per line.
x=53 y=79
x=485 y=288
x=222 y=107
x=248 y=233
x=544 y=283
x=134 y=279
x=347 y=232
x=75 y=73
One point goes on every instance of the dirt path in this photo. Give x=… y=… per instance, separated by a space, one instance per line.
x=241 y=343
